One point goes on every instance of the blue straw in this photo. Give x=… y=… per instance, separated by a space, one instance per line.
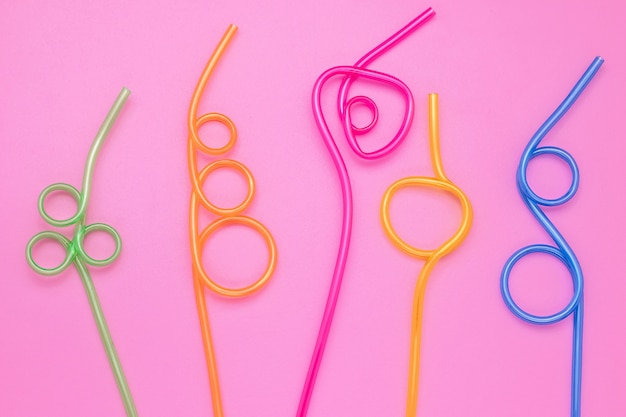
x=562 y=251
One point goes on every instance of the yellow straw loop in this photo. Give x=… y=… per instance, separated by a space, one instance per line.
x=431 y=256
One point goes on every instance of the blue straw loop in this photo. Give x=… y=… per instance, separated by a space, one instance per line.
x=561 y=251
x=524 y=186
x=532 y=318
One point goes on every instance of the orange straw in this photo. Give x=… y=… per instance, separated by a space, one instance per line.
x=431 y=256
x=227 y=216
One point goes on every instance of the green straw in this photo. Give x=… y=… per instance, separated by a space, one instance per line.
x=75 y=252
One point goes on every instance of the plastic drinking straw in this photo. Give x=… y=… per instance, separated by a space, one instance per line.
x=226 y=216
x=350 y=73
x=75 y=252
x=431 y=256
x=562 y=251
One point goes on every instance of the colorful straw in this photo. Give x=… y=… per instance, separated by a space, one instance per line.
x=75 y=251
x=227 y=216
x=351 y=73
x=431 y=256
x=562 y=251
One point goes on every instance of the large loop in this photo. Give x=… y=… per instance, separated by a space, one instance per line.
x=447 y=246
x=225 y=163
x=243 y=221
x=58 y=237
x=79 y=240
x=73 y=192
x=550 y=202
x=577 y=281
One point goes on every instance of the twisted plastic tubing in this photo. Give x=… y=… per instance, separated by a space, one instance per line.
x=562 y=251
x=226 y=216
x=431 y=256
x=75 y=252
x=350 y=73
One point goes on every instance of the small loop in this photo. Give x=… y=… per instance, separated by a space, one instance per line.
x=551 y=202
x=350 y=130
x=516 y=309
x=243 y=221
x=58 y=237
x=450 y=243
x=367 y=102
x=80 y=239
x=237 y=166
x=214 y=117
x=62 y=187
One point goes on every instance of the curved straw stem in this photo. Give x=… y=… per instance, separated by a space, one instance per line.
x=227 y=216
x=107 y=340
x=76 y=254
x=431 y=256
x=350 y=74
x=96 y=145
x=562 y=251
x=205 y=327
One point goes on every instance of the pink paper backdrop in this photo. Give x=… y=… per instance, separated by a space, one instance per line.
x=500 y=67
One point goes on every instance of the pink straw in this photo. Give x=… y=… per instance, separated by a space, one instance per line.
x=350 y=74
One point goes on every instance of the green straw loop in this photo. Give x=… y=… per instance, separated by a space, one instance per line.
x=75 y=252
x=80 y=235
x=70 y=253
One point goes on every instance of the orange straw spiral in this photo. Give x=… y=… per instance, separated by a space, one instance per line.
x=226 y=216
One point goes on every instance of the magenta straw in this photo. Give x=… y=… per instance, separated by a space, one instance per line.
x=350 y=74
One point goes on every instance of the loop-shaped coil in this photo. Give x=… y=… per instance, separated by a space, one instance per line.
x=524 y=186
x=226 y=215
x=75 y=252
x=431 y=256
x=350 y=130
x=452 y=242
x=561 y=251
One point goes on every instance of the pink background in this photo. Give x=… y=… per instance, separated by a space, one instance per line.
x=500 y=68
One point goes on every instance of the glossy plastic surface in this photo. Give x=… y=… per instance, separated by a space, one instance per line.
x=350 y=74
x=562 y=251
x=75 y=252
x=431 y=256
x=226 y=215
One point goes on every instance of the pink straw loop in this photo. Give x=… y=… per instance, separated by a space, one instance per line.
x=348 y=126
x=344 y=104
x=363 y=101
x=344 y=107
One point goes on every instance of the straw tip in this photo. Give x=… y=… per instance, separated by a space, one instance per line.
x=597 y=62
x=428 y=13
